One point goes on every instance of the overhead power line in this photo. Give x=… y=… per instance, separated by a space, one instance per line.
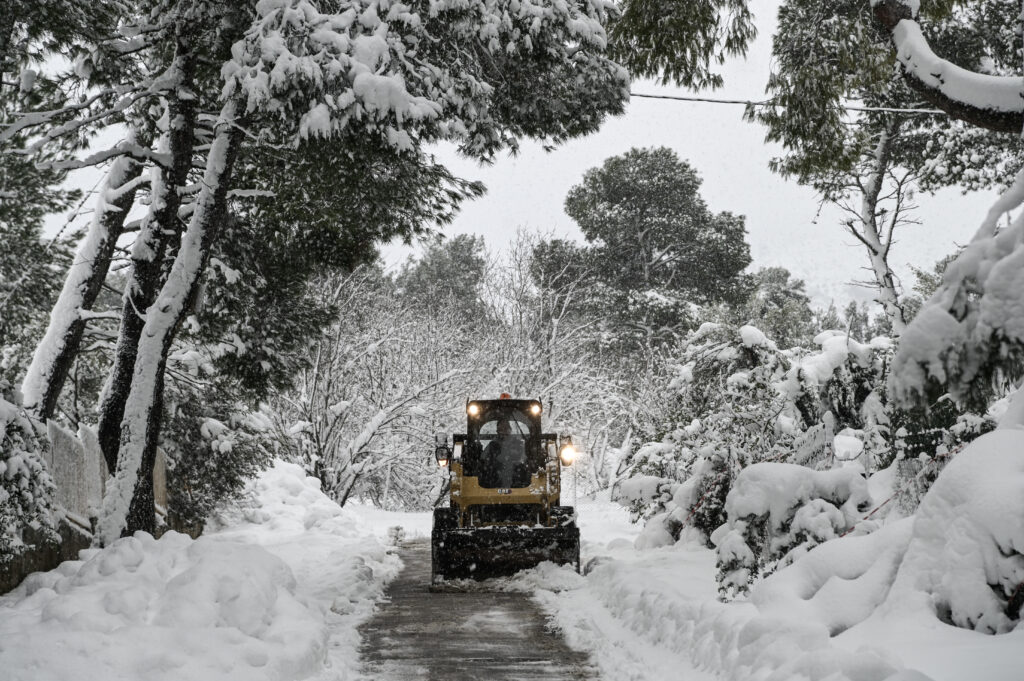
x=749 y=102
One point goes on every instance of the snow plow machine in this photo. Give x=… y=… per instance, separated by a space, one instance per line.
x=505 y=511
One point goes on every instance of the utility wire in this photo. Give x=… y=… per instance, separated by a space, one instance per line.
x=747 y=102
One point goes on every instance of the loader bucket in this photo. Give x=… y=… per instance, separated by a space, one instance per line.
x=485 y=552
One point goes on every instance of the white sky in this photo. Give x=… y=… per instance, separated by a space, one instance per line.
x=527 y=191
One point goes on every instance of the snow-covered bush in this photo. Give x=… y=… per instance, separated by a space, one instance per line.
x=739 y=400
x=839 y=584
x=777 y=512
x=26 y=489
x=965 y=560
x=725 y=414
x=968 y=339
x=212 y=452
x=959 y=559
x=840 y=387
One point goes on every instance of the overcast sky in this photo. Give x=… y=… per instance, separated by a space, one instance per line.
x=783 y=220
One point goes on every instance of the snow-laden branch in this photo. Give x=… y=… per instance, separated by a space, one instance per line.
x=991 y=102
x=970 y=334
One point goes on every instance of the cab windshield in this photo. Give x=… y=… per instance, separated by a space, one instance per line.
x=506 y=442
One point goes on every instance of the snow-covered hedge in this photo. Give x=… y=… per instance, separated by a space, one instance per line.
x=26 y=489
x=777 y=512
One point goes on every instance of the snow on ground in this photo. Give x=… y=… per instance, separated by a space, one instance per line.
x=834 y=615
x=274 y=592
x=277 y=589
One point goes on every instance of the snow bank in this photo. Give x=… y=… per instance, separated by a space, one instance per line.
x=274 y=593
x=164 y=609
x=654 y=615
x=866 y=607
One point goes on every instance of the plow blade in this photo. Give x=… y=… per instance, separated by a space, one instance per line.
x=485 y=552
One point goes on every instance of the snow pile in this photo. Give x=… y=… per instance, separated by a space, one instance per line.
x=276 y=593
x=965 y=561
x=777 y=512
x=164 y=609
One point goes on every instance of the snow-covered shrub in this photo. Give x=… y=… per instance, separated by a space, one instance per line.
x=776 y=512
x=924 y=441
x=26 y=489
x=727 y=414
x=212 y=452
x=740 y=400
x=968 y=339
x=965 y=560
x=840 y=387
x=839 y=584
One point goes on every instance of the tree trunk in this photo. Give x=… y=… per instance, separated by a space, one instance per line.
x=159 y=231
x=872 y=236
x=142 y=414
x=60 y=345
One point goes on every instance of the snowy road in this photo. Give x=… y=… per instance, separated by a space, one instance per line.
x=462 y=636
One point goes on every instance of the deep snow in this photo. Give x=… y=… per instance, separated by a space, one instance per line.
x=277 y=591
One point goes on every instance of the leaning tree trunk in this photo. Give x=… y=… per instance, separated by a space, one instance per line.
x=128 y=504
x=56 y=353
x=158 y=232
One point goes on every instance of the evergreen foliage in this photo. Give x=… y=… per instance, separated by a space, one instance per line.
x=656 y=251
x=681 y=41
x=27 y=515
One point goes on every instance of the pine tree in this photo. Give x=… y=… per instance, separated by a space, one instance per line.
x=656 y=250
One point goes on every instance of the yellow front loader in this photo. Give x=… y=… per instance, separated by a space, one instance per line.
x=505 y=511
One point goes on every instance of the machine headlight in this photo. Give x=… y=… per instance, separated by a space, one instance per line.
x=473 y=409
x=567 y=454
x=535 y=408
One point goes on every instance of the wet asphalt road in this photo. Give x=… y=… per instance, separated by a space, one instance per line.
x=471 y=635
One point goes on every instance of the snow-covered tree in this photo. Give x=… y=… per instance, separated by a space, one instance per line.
x=779 y=306
x=382 y=379
x=450 y=272
x=966 y=340
x=200 y=77
x=828 y=56
x=656 y=251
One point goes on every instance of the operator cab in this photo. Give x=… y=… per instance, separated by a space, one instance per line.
x=503 y=442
